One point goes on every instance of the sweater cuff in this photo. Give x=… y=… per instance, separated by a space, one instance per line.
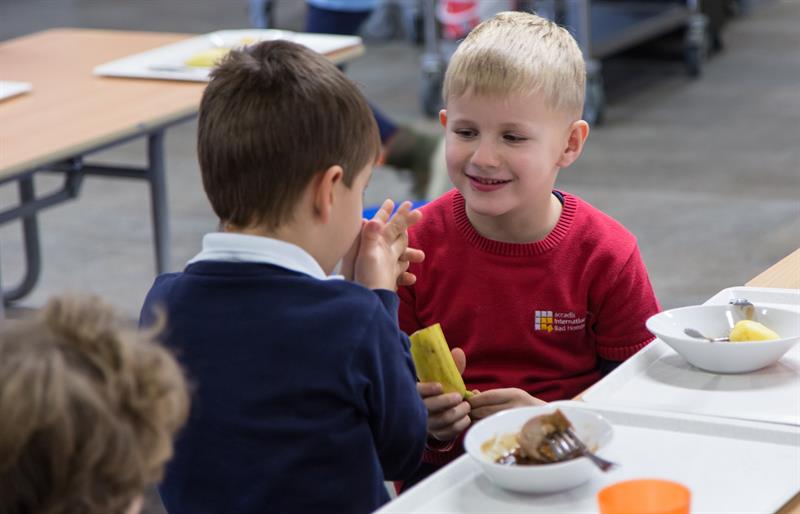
x=437 y=446
x=389 y=300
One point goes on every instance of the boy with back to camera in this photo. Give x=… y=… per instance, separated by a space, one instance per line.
x=305 y=398
x=89 y=408
x=542 y=292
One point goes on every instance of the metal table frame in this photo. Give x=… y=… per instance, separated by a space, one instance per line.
x=66 y=91
x=73 y=171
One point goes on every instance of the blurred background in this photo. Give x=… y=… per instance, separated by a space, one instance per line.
x=697 y=152
x=704 y=170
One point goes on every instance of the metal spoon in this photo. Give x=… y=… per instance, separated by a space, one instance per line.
x=743 y=305
x=695 y=333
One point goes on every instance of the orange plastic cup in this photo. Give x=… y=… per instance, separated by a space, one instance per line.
x=646 y=496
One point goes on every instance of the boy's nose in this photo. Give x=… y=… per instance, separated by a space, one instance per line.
x=485 y=154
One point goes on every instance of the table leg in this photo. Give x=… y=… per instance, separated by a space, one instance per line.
x=30 y=235
x=158 y=196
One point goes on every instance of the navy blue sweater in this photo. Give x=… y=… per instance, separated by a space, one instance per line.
x=304 y=394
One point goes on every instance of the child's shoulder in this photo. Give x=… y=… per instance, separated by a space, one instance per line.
x=600 y=228
x=594 y=217
x=436 y=216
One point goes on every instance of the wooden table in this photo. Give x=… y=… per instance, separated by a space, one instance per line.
x=71 y=113
x=784 y=274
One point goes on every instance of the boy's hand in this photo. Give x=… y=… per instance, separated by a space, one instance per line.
x=448 y=414
x=381 y=256
x=488 y=402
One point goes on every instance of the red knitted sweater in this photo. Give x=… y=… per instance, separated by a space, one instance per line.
x=535 y=316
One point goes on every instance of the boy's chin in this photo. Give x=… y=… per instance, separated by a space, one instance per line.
x=486 y=207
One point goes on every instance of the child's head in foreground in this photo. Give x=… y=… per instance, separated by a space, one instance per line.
x=513 y=92
x=274 y=118
x=90 y=407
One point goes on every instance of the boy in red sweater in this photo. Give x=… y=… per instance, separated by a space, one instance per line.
x=542 y=292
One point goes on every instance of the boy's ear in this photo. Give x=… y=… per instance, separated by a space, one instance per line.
x=578 y=132
x=324 y=191
x=443 y=117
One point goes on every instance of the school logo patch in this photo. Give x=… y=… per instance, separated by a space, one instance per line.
x=553 y=321
x=544 y=321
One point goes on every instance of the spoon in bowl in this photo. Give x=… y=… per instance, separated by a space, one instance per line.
x=696 y=334
x=745 y=308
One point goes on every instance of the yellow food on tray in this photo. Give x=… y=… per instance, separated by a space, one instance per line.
x=207 y=58
x=434 y=362
x=748 y=330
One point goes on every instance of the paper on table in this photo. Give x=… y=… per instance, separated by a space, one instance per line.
x=10 y=88
x=169 y=62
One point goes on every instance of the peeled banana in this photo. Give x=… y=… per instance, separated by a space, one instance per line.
x=748 y=330
x=434 y=362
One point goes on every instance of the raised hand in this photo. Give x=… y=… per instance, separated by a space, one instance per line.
x=380 y=256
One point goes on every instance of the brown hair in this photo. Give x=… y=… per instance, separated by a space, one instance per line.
x=89 y=409
x=273 y=116
x=518 y=52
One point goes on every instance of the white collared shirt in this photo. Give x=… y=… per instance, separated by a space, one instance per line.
x=230 y=247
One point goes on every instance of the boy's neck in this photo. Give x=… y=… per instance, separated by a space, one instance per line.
x=535 y=225
x=300 y=236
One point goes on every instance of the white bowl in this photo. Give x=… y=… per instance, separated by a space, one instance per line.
x=590 y=427
x=717 y=321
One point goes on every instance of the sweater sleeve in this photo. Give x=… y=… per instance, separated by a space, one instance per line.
x=407 y=312
x=627 y=303
x=398 y=416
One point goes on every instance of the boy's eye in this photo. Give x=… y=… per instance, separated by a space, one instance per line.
x=513 y=138
x=465 y=133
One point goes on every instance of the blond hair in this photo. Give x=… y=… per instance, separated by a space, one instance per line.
x=89 y=409
x=517 y=52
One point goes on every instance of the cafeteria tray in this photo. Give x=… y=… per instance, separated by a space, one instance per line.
x=729 y=465
x=168 y=62
x=659 y=378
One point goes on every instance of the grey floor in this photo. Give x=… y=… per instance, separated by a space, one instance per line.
x=705 y=172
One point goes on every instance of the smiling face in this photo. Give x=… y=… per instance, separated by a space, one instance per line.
x=503 y=154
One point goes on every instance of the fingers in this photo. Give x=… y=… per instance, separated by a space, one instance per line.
x=448 y=415
x=406 y=278
x=488 y=402
x=385 y=212
x=450 y=431
x=402 y=219
x=371 y=228
x=413 y=255
x=426 y=389
x=490 y=397
x=444 y=402
x=483 y=412
x=460 y=359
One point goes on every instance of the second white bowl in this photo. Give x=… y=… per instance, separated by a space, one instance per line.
x=590 y=427
x=717 y=321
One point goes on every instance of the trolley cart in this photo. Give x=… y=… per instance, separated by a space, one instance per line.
x=601 y=28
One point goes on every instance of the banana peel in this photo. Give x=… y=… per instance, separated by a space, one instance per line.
x=434 y=362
